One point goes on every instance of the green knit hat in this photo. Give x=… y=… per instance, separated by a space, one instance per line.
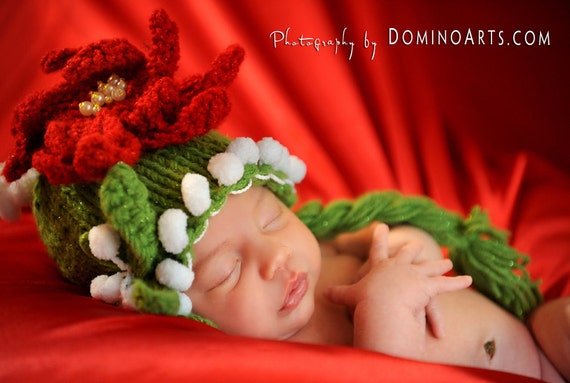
x=129 y=179
x=130 y=237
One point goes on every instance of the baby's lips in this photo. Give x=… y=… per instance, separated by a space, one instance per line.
x=296 y=290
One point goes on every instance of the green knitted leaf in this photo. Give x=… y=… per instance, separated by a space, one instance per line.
x=124 y=200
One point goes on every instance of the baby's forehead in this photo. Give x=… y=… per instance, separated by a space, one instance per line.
x=256 y=198
x=233 y=213
x=230 y=227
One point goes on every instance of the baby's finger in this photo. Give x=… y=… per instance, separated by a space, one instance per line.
x=435 y=319
x=379 y=246
x=340 y=295
x=433 y=268
x=409 y=252
x=364 y=269
x=449 y=284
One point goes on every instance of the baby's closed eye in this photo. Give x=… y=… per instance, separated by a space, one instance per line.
x=273 y=218
x=229 y=276
x=221 y=268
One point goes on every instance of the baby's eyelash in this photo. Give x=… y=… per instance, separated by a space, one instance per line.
x=231 y=274
x=235 y=273
x=275 y=222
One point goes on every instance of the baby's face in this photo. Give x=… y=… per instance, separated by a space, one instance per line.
x=256 y=268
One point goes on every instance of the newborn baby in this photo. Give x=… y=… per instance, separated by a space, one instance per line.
x=260 y=272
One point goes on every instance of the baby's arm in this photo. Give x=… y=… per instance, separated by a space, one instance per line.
x=359 y=243
x=391 y=301
x=550 y=325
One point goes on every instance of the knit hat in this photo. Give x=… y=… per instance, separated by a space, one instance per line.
x=131 y=170
x=134 y=231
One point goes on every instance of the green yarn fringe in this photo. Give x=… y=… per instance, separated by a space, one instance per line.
x=475 y=247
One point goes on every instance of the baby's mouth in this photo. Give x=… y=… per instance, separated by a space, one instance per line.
x=296 y=290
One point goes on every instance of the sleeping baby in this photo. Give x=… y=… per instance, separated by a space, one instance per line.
x=260 y=272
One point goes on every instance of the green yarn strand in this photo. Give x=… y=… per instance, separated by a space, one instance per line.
x=154 y=300
x=124 y=200
x=475 y=246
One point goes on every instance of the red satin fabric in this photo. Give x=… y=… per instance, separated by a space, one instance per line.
x=464 y=124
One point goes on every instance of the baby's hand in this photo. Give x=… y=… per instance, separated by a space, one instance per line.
x=396 y=293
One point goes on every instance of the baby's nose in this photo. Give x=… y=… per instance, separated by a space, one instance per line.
x=274 y=260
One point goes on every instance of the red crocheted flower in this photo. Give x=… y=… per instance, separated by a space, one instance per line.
x=68 y=147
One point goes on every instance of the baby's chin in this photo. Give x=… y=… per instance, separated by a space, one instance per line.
x=280 y=329
x=273 y=334
x=300 y=321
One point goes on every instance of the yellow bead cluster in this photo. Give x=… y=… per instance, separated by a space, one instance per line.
x=113 y=90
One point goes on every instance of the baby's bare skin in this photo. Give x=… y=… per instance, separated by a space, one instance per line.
x=478 y=333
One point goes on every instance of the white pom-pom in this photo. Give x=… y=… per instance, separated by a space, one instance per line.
x=107 y=288
x=227 y=168
x=15 y=195
x=196 y=193
x=127 y=299
x=297 y=169
x=172 y=230
x=174 y=275
x=23 y=188
x=185 y=304
x=104 y=242
x=245 y=148
x=271 y=152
